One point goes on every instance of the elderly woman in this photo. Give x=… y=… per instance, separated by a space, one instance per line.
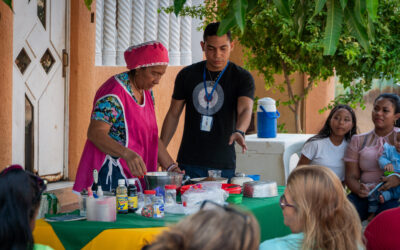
x=123 y=137
x=363 y=152
x=318 y=213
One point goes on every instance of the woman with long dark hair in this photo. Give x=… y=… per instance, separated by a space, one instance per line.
x=361 y=158
x=20 y=195
x=328 y=146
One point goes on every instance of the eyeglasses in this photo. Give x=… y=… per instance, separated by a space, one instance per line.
x=283 y=202
x=207 y=205
x=41 y=184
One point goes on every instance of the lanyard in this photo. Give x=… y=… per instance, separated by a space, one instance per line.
x=209 y=96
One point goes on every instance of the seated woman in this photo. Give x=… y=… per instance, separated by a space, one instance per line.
x=328 y=146
x=362 y=154
x=318 y=213
x=213 y=228
x=20 y=197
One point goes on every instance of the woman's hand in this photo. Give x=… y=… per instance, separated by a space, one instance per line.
x=135 y=163
x=389 y=182
x=363 y=191
x=176 y=169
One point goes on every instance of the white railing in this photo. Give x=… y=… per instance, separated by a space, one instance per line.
x=122 y=23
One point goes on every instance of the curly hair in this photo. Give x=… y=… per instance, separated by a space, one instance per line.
x=328 y=219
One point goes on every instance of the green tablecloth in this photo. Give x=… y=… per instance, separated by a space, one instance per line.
x=76 y=234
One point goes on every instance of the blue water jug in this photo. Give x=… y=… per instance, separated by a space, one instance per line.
x=266 y=118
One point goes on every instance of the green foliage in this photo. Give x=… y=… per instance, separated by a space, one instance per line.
x=206 y=12
x=88 y=4
x=9 y=3
x=279 y=43
x=178 y=5
x=333 y=26
x=281 y=128
x=255 y=103
x=338 y=9
x=356 y=69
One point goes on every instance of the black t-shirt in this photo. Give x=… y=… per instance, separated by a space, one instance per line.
x=210 y=149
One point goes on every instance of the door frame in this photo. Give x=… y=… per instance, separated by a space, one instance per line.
x=67 y=87
x=15 y=134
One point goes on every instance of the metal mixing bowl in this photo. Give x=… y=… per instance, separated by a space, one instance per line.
x=160 y=179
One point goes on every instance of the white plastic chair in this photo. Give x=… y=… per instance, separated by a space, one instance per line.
x=291 y=157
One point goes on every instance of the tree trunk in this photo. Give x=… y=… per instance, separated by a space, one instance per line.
x=294 y=107
x=297 y=115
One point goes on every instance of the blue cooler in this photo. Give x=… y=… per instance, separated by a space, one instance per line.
x=266 y=118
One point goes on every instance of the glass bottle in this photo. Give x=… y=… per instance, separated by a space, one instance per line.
x=132 y=196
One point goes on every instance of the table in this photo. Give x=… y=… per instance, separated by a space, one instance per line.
x=132 y=231
x=271 y=158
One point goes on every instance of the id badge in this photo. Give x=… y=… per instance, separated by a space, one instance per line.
x=206 y=123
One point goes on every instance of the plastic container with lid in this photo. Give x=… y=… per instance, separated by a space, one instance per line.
x=232 y=188
x=185 y=188
x=267 y=116
x=170 y=195
x=148 y=196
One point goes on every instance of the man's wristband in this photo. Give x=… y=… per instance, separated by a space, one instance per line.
x=170 y=167
x=239 y=131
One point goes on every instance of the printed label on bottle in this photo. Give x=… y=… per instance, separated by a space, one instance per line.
x=158 y=211
x=122 y=203
x=132 y=202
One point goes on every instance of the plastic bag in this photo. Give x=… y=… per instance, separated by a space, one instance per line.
x=193 y=198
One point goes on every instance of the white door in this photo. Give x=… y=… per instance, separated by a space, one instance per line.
x=39 y=88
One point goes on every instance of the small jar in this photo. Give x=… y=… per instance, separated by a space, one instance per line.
x=148 y=196
x=158 y=206
x=170 y=195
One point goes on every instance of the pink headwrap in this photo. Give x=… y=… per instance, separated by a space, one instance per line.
x=146 y=54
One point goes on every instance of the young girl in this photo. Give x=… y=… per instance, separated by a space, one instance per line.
x=20 y=197
x=328 y=146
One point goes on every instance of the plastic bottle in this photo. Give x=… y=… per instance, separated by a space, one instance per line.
x=122 y=197
x=158 y=206
x=170 y=195
x=140 y=200
x=99 y=192
x=148 y=197
x=132 y=196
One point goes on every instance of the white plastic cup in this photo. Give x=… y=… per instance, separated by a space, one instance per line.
x=101 y=209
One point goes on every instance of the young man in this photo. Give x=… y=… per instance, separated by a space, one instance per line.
x=219 y=98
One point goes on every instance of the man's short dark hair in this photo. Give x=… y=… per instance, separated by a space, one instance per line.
x=211 y=30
